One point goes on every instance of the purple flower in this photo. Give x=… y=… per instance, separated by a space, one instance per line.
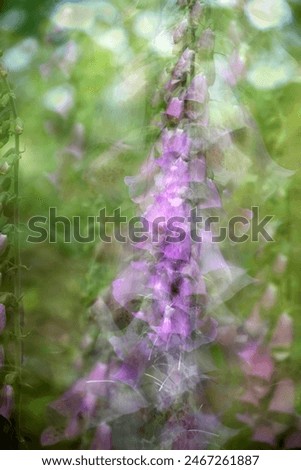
x=197 y=12
x=198 y=170
x=51 y=436
x=280 y=264
x=269 y=297
x=257 y=361
x=6 y=401
x=134 y=353
x=283 y=397
x=255 y=392
x=175 y=144
x=131 y=284
x=175 y=108
x=293 y=441
x=171 y=286
x=180 y=31
x=235 y=70
x=198 y=90
x=184 y=64
x=283 y=333
x=265 y=434
x=102 y=438
x=175 y=322
x=193 y=431
x=254 y=324
x=2 y=317
x=3 y=242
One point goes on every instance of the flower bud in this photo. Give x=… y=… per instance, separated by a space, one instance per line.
x=254 y=324
x=102 y=438
x=3 y=243
x=180 y=31
x=198 y=90
x=19 y=127
x=184 y=64
x=175 y=108
x=2 y=317
x=283 y=333
x=269 y=297
x=284 y=397
x=196 y=12
x=4 y=167
x=6 y=401
x=280 y=264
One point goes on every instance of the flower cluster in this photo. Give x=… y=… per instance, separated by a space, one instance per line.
x=159 y=359
x=269 y=395
x=268 y=392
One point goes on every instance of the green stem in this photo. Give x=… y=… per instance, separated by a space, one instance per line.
x=18 y=314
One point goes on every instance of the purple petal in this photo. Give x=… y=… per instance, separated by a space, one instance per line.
x=180 y=31
x=212 y=196
x=235 y=71
x=247 y=353
x=69 y=404
x=2 y=317
x=280 y=264
x=6 y=401
x=250 y=397
x=198 y=89
x=254 y=393
x=283 y=333
x=175 y=322
x=3 y=242
x=269 y=297
x=211 y=256
x=51 y=436
x=284 y=397
x=131 y=284
x=102 y=438
x=197 y=12
x=293 y=441
x=176 y=143
x=254 y=324
x=197 y=169
x=96 y=380
x=128 y=373
x=184 y=64
x=178 y=251
x=265 y=434
x=257 y=361
x=73 y=428
x=175 y=108
x=262 y=366
x=227 y=335
x=190 y=432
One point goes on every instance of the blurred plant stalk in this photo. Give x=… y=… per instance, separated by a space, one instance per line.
x=10 y=296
